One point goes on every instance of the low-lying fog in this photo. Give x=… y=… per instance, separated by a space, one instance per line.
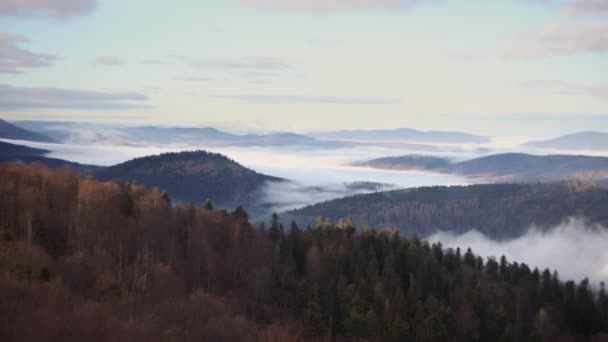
x=316 y=174
x=575 y=249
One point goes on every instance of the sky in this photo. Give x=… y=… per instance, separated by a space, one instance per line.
x=512 y=67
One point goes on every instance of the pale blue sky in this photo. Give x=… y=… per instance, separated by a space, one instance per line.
x=309 y=65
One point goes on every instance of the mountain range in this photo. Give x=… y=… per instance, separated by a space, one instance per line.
x=403 y=135
x=87 y=133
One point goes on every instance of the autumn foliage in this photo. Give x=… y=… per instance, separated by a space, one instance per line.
x=83 y=260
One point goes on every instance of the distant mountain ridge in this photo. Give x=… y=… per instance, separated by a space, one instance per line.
x=14 y=132
x=403 y=134
x=86 y=133
x=506 y=167
x=588 y=140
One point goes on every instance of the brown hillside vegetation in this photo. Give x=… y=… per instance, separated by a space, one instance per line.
x=83 y=260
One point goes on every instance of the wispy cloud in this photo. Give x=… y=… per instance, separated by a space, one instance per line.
x=586 y=8
x=257 y=64
x=23 y=98
x=566 y=88
x=195 y=79
x=325 y=5
x=14 y=58
x=156 y=61
x=61 y=9
x=554 y=248
x=560 y=39
x=108 y=61
x=249 y=63
x=307 y=99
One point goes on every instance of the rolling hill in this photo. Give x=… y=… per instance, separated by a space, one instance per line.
x=186 y=176
x=11 y=153
x=408 y=162
x=11 y=150
x=500 y=211
x=578 y=141
x=506 y=167
x=84 y=260
x=192 y=177
x=14 y=132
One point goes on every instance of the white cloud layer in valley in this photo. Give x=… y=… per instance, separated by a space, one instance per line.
x=575 y=249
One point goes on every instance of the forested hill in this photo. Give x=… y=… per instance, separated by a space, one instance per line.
x=497 y=210
x=12 y=150
x=11 y=153
x=83 y=260
x=192 y=177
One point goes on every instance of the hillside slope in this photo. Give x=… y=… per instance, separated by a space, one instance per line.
x=192 y=176
x=498 y=210
x=9 y=150
x=84 y=260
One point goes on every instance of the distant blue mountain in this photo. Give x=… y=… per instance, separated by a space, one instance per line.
x=403 y=134
x=505 y=167
x=88 y=133
x=14 y=132
x=577 y=141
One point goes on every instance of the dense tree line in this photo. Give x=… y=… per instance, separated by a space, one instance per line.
x=497 y=210
x=87 y=260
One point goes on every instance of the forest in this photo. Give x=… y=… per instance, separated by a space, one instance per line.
x=500 y=211
x=86 y=260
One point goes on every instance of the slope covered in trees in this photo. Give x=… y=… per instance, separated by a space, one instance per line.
x=497 y=210
x=12 y=150
x=87 y=260
x=192 y=177
x=11 y=153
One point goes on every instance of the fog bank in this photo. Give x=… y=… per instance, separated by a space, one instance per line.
x=575 y=249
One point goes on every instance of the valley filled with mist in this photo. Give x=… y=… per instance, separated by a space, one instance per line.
x=513 y=214
x=304 y=170
x=295 y=174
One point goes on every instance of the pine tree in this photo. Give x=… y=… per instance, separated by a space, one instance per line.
x=241 y=214
x=208 y=205
x=274 y=230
